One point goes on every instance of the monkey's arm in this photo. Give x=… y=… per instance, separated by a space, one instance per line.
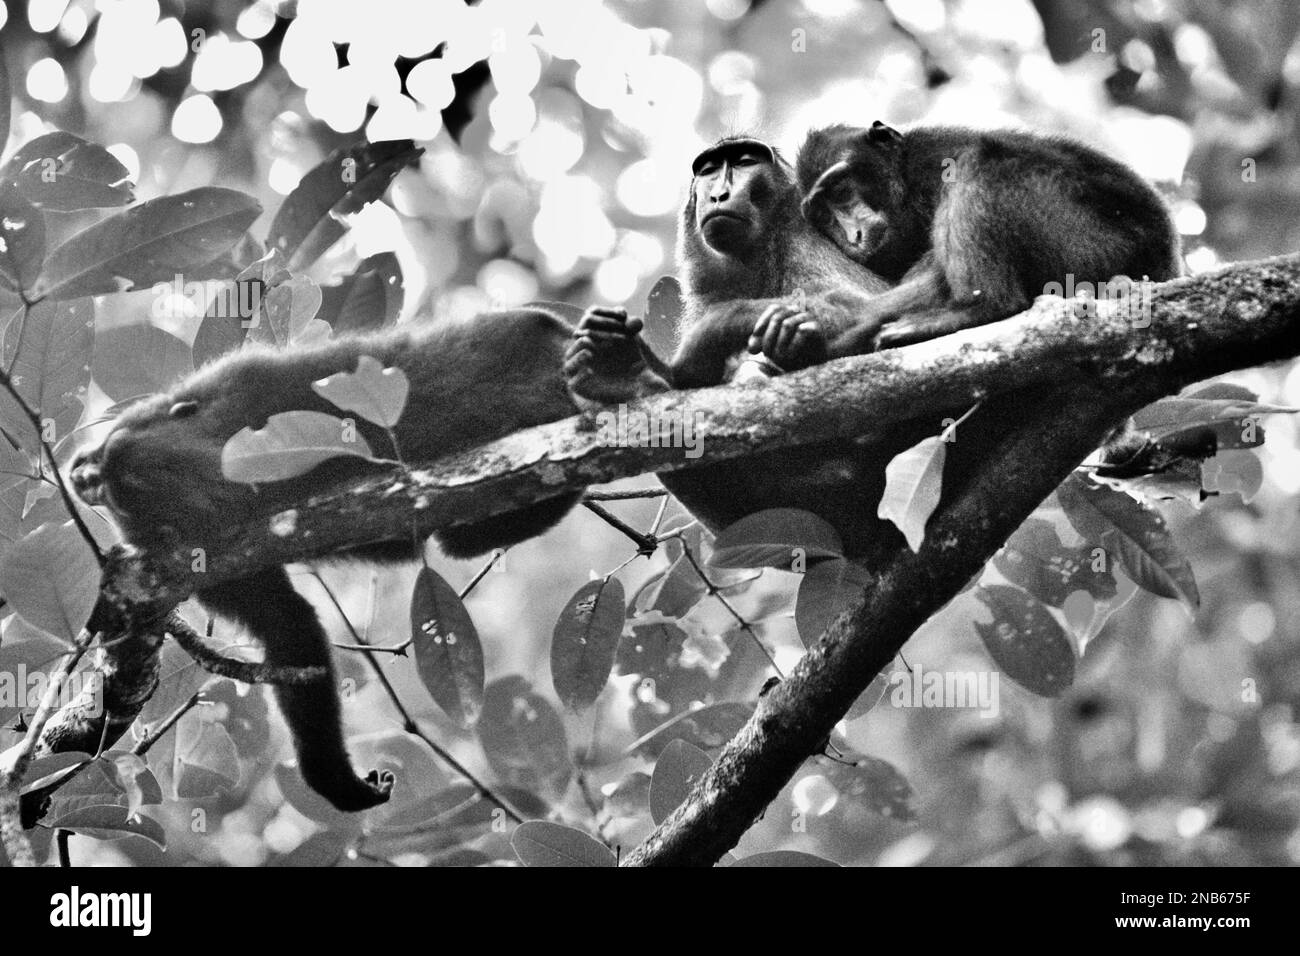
x=287 y=626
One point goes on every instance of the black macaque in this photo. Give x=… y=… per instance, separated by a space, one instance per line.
x=976 y=224
x=757 y=278
x=159 y=473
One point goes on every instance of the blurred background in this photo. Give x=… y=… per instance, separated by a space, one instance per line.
x=558 y=138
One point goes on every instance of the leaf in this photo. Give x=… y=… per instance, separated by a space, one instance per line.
x=708 y=728
x=1025 y=640
x=1233 y=471
x=1036 y=560
x=652 y=650
x=226 y=319
x=47 y=352
x=51 y=578
x=1176 y=414
x=375 y=393
x=871 y=782
x=324 y=848
x=913 y=484
x=826 y=590
x=663 y=306
x=291 y=444
x=524 y=738
x=308 y=222
x=22 y=240
x=629 y=797
x=584 y=641
x=111 y=822
x=139 y=359
x=784 y=858
x=776 y=538
x=63 y=172
x=206 y=762
x=149 y=243
x=448 y=655
x=676 y=771
x=1135 y=532
x=287 y=313
x=43 y=771
x=542 y=843
x=368 y=299
x=311 y=804
x=678 y=590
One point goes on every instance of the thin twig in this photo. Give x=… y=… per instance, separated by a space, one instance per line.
x=408 y=722
x=716 y=592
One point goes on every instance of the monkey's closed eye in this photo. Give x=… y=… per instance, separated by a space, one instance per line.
x=183 y=409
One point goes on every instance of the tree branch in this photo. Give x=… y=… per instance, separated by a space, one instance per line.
x=1239 y=317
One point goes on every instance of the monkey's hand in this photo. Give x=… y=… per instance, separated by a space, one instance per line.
x=789 y=336
x=606 y=363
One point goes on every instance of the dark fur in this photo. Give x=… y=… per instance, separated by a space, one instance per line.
x=160 y=473
x=1019 y=211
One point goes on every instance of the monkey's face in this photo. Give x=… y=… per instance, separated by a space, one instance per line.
x=732 y=190
x=158 y=475
x=841 y=206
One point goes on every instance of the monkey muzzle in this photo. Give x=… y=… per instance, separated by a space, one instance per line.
x=87 y=478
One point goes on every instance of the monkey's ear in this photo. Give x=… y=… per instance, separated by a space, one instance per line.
x=881 y=133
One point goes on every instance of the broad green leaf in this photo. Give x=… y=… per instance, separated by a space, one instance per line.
x=871 y=782
x=48 y=352
x=291 y=444
x=138 y=360
x=1230 y=472
x=653 y=650
x=1135 y=532
x=677 y=770
x=675 y=592
x=111 y=823
x=50 y=577
x=288 y=313
x=63 y=172
x=523 y=738
x=368 y=299
x=448 y=655
x=584 y=641
x=43 y=771
x=913 y=485
x=311 y=804
x=784 y=858
x=1036 y=560
x=22 y=240
x=663 y=306
x=149 y=243
x=1025 y=640
x=375 y=393
x=629 y=797
x=205 y=762
x=309 y=220
x=542 y=843
x=784 y=538
x=826 y=590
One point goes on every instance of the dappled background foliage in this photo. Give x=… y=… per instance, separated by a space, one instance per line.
x=557 y=137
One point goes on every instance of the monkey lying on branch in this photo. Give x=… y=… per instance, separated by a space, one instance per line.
x=159 y=473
